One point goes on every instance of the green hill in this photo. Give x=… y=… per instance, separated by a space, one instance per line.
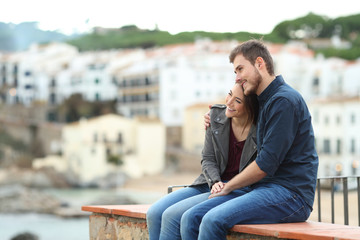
x=308 y=27
x=19 y=37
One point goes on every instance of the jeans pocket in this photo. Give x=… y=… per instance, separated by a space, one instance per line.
x=297 y=210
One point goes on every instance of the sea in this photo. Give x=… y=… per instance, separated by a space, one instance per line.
x=52 y=227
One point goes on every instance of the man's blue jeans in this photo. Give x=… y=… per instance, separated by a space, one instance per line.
x=163 y=217
x=260 y=203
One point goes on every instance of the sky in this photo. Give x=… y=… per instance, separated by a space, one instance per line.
x=258 y=16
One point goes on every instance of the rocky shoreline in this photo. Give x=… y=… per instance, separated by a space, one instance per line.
x=17 y=198
x=26 y=191
x=20 y=199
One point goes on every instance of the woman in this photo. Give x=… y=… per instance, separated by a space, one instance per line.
x=230 y=145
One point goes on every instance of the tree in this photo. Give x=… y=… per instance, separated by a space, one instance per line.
x=75 y=107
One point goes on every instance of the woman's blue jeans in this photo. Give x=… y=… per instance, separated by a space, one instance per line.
x=163 y=217
x=261 y=203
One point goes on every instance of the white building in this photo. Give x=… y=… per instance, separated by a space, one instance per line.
x=53 y=72
x=91 y=74
x=351 y=80
x=336 y=123
x=89 y=146
x=29 y=76
x=193 y=132
x=294 y=62
x=174 y=77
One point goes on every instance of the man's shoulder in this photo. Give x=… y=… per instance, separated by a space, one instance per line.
x=289 y=93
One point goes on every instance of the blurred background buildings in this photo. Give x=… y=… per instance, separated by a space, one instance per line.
x=170 y=88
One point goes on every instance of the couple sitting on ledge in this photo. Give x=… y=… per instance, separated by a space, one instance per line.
x=259 y=163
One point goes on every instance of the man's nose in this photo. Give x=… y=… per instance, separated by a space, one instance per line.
x=238 y=78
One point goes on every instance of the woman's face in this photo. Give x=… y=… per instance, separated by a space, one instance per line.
x=235 y=102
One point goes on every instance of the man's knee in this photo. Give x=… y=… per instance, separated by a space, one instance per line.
x=211 y=225
x=210 y=220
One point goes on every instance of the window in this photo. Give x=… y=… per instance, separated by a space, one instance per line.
x=114 y=80
x=316 y=83
x=326 y=146
x=338 y=146
x=3 y=69
x=352 y=118
x=97 y=80
x=120 y=138
x=15 y=69
x=338 y=120
x=51 y=116
x=53 y=82
x=95 y=137
x=52 y=98
x=352 y=146
x=28 y=86
x=326 y=120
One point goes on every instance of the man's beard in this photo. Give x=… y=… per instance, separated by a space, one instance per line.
x=255 y=83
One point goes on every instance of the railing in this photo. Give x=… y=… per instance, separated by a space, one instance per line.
x=334 y=184
x=170 y=188
x=340 y=181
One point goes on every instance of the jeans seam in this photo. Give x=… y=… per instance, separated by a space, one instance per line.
x=270 y=205
x=293 y=213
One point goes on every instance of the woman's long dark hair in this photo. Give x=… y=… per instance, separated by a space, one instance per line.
x=251 y=104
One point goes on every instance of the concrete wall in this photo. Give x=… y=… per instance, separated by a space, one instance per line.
x=115 y=227
x=103 y=226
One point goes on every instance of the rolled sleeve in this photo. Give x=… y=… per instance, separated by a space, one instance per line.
x=281 y=124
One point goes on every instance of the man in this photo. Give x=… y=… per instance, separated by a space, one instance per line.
x=279 y=186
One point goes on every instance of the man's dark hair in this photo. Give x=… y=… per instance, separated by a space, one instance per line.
x=251 y=50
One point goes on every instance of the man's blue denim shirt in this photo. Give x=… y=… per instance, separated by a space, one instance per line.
x=286 y=144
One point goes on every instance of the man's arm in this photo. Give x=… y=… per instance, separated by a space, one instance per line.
x=250 y=175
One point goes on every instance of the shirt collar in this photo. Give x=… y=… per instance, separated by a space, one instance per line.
x=271 y=89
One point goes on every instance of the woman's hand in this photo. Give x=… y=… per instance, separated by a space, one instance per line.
x=217 y=187
x=223 y=192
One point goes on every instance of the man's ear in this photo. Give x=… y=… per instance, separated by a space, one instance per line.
x=259 y=62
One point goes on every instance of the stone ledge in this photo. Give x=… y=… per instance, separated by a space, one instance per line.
x=129 y=222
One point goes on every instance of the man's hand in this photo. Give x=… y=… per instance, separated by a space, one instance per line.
x=207 y=118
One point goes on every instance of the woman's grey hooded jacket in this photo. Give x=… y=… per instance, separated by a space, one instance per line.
x=216 y=147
